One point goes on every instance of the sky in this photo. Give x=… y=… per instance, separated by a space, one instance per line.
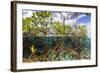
x=82 y=19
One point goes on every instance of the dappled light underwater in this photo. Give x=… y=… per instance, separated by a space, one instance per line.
x=55 y=48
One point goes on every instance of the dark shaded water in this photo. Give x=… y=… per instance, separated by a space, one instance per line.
x=43 y=44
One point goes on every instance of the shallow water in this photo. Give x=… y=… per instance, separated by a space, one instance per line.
x=43 y=44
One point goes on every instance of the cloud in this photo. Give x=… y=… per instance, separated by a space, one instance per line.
x=57 y=17
x=27 y=14
x=74 y=20
x=80 y=16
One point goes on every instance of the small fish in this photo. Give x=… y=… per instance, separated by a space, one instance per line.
x=33 y=49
